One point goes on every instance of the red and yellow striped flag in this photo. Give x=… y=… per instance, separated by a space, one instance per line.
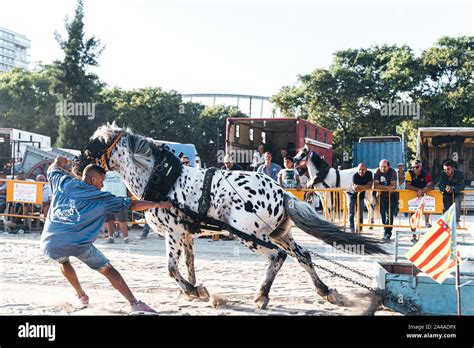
x=433 y=254
x=415 y=219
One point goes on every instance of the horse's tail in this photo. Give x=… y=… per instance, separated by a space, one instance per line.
x=306 y=218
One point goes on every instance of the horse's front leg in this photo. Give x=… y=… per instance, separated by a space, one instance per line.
x=188 y=243
x=174 y=246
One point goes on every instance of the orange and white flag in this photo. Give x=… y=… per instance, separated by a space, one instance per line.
x=415 y=219
x=435 y=253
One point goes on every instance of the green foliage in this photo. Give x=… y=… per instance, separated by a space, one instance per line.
x=28 y=101
x=74 y=83
x=348 y=97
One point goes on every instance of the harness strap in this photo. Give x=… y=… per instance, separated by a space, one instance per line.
x=104 y=159
x=205 y=200
x=213 y=223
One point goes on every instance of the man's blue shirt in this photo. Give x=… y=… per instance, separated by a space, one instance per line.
x=76 y=215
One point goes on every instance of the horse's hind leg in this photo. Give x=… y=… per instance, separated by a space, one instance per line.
x=275 y=260
x=188 y=244
x=174 y=245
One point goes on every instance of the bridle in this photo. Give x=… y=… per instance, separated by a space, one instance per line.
x=97 y=152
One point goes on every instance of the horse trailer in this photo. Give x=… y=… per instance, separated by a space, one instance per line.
x=243 y=135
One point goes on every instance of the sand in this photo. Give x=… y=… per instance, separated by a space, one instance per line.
x=31 y=284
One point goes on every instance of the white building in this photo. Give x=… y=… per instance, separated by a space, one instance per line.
x=13 y=50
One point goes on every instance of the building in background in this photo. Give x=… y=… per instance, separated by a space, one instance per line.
x=13 y=50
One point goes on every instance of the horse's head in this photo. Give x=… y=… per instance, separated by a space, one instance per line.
x=99 y=149
x=302 y=154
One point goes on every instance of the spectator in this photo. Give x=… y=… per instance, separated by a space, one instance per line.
x=420 y=181
x=46 y=194
x=451 y=183
x=114 y=184
x=3 y=193
x=283 y=155
x=78 y=211
x=400 y=183
x=386 y=179
x=269 y=168
x=229 y=164
x=185 y=160
x=258 y=157
x=289 y=177
x=361 y=181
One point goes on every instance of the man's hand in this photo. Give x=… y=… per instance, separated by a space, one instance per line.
x=449 y=189
x=60 y=161
x=420 y=193
x=164 y=205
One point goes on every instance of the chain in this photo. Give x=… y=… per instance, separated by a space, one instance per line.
x=341 y=275
x=341 y=265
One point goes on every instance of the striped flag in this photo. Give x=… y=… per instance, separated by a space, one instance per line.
x=435 y=253
x=415 y=219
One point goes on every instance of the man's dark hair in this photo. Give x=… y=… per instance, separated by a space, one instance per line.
x=449 y=163
x=93 y=169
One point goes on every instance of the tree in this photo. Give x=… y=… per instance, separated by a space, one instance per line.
x=212 y=132
x=75 y=84
x=28 y=101
x=349 y=96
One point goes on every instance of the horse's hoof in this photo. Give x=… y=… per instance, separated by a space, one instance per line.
x=216 y=301
x=336 y=298
x=202 y=291
x=262 y=302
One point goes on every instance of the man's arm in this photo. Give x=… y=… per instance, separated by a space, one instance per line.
x=443 y=182
x=144 y=205
x=460 y=180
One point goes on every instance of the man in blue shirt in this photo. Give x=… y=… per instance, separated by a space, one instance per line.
x=77 y=213
x=269 y=168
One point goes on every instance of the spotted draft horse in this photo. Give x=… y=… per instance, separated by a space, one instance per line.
x=250 y=205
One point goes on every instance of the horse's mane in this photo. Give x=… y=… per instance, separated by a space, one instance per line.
x=141 y=148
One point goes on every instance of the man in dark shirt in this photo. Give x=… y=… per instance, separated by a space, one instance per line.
x=230 y=165
x=386 y=179
x=361 y=181
x=451 y=183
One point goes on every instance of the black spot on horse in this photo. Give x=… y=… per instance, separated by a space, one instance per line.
x=252 y=192
x=277 y=208
x=249 y=207
x=256 y=225
x=269 y=209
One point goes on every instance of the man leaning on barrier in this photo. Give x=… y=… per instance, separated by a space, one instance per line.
x=385 y=179
x=361 y=181
x=77 y=213
x=451 y=183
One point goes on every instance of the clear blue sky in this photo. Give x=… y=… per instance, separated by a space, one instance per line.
x=246 y=47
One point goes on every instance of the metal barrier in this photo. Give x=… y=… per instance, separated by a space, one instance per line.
x=334 y=203
x=436 y=207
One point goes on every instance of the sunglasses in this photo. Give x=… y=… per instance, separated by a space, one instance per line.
x=226 y=162
x=185 y=162
x=415 y=167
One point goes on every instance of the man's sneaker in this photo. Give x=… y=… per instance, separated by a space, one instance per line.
x=428 y=225
x=386 y=238
x=141 y=308
x=414 y=240
x=109 y=240
x=80 y=302
x=116 y=234
x=126 y=240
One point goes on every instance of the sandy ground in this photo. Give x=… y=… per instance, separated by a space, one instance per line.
x=31 y=284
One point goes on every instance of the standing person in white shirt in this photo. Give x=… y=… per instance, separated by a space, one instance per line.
x=114 y=184
x=258 y=157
